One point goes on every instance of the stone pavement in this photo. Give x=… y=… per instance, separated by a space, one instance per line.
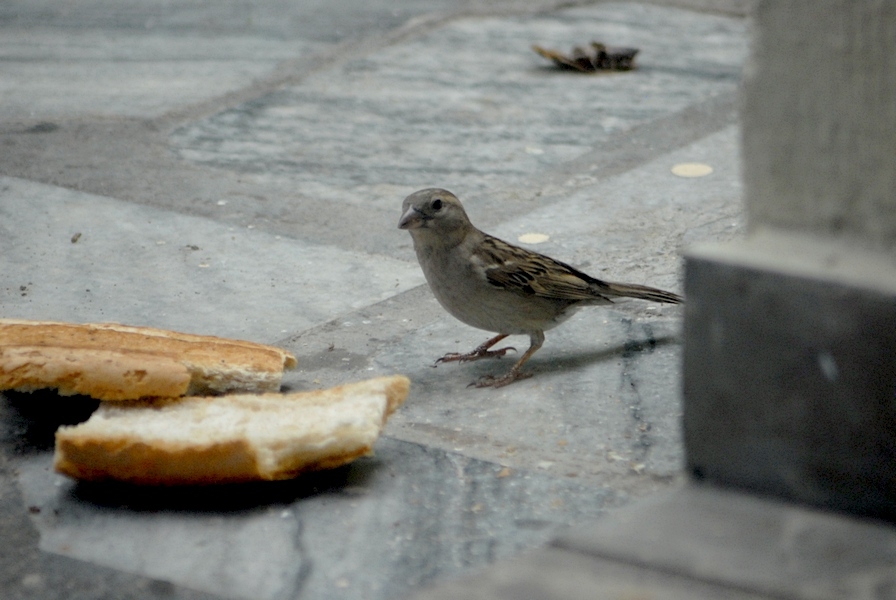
x=237 y=169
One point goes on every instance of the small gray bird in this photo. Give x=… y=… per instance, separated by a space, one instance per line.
x=492 y=285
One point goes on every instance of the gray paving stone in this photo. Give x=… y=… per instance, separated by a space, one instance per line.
x=376 y=529
x=744 y=542
x=141 y=265
x=145 y=59
x=468 y=104
x=700 y=542
x=51 y=74
x=555 y=574
x=139 y=123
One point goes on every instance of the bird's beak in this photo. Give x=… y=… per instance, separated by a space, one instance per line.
x=411 y=219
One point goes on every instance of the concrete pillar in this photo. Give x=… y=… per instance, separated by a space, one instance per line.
x=790 y=335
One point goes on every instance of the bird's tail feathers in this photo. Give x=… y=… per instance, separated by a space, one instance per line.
x=643 y=292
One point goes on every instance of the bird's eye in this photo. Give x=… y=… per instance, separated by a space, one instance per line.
x=437 y=204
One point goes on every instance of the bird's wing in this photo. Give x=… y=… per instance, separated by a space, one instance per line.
x=531 y=274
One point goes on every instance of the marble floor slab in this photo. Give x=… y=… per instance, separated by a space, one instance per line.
x=375 y=529
x=237 y=169
x=79 y=257
x=469 y=102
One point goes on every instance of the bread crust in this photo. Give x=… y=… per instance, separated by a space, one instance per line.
x=263 y=437
x=103 y=374
x=213 y=364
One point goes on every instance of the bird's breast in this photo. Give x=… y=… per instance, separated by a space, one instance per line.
x=459 y=283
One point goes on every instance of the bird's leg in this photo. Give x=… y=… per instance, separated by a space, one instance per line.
x=481 y=351
x=536 y=340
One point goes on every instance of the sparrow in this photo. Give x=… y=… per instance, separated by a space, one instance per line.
x=490 y=284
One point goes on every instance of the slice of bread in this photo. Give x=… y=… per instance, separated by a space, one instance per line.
x=224 y=439
x=119 y=362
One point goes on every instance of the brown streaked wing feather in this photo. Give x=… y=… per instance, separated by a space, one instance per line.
x=531 y=274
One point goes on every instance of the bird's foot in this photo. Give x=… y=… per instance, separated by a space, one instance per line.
x=476 y=354
x=496 y=382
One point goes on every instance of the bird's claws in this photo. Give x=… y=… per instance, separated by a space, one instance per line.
x=451 y=356
x=474 y=355
x=501 y=352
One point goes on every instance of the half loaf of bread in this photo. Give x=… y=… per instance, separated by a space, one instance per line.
x=223 y=439
x=119 y=362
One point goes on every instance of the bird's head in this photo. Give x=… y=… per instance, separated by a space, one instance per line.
x=433 y=211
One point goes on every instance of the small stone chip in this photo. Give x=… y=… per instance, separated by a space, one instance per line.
x=533 y=238
x=691 y=170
